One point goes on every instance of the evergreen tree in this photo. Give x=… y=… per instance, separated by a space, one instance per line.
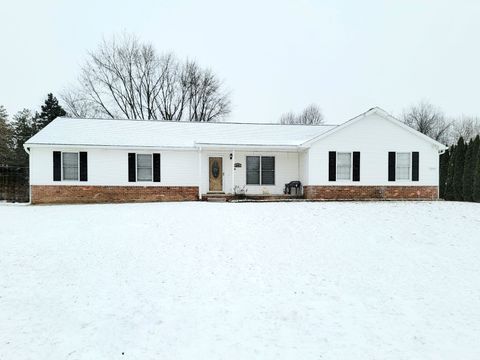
x=23 y=129
x=444 y=159
x=3 y=113
x=449 y=190
x=468 y=171
x=476 y=174
x=50 y=110
x=458 y=172
x=5 y=138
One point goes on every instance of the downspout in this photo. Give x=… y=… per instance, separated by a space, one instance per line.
x=233 y=171
x=200 y=173
x=27 y=150
x=298 y=163
x=440 y=152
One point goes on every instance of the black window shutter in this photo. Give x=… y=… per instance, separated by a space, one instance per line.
x=356 y=166
x=57 y=163
x=132 y=168
x=332 y=166
x=391 y=166
x=83 y=166
x=415 y=165
x=156 y=167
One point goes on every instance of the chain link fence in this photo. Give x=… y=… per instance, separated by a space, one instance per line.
x=14 y=184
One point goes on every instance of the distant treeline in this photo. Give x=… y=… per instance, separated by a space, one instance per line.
x=24 y=124
x=14 y=181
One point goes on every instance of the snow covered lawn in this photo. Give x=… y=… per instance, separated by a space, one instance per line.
x=386 y=280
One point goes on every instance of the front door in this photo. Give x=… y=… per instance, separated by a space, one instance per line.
x=215 y=171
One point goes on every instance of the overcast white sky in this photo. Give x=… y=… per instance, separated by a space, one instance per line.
x=274 y=56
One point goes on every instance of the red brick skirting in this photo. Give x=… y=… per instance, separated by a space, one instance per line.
x=65 y=194
x=370 y=192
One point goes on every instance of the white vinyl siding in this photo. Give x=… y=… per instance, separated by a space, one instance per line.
x=374 y=137
x=286 y=169
x=344 y=166
x=403 y=166
x=144 y=167
x=108 y=167
x=70 y=166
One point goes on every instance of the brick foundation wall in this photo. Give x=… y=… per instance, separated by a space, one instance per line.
x=371 y=192
x=65 y=194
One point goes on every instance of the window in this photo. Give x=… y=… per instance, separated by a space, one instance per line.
x=70 y=165
x=268 y=170
x=403 y=166
x=260 y=170
x=344 y=166
x=144 y=167
x=253 y=170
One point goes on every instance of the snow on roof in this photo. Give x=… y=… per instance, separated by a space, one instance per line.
x=152 y=133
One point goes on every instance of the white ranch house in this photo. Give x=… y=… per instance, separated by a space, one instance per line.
x=373 y=156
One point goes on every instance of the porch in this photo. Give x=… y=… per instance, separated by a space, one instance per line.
x=222 y=197
x=249 y=173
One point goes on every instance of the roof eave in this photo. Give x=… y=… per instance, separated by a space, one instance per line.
x=103 y=146
x=247 y=146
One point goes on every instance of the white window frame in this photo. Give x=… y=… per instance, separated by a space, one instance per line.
x=260 y=170
x=409 y=166
x=136 y=166
x=351 y=165
x=78 y=165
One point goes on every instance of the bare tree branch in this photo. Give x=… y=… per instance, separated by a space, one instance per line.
x=429 y=120
x=311 y=115
x=127 y=79
x=467 y=127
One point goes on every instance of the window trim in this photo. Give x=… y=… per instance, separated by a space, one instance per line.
x=78 y=165
x=260 y=170
x=409 y=165
x=136 y=167
x=350 y=178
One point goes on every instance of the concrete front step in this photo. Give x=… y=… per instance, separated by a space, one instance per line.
x=221 y=197
x=216 y=199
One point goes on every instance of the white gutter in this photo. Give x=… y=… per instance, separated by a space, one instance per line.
x=249 y=146
x=195 y=146
x=115 y=147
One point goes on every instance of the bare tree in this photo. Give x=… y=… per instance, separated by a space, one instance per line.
x=202 y=85
x=429 y=120
x=288 y=118
x=128 y=79
x=311 y=115
x=466 y=126
x=78 y=105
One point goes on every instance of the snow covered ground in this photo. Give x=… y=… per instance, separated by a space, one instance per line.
x=370 y=280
